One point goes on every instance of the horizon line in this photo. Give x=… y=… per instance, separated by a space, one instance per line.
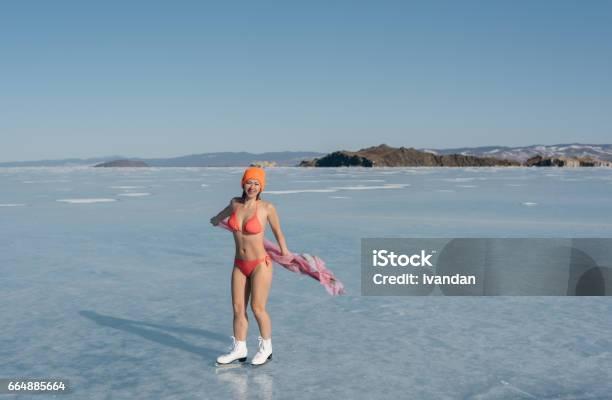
x=293 y=151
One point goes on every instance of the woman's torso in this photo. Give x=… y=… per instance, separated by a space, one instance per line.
x=248 y=225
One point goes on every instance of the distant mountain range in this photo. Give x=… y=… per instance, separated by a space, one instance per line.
x=225 y=159
x=575 y=150
x=293 y=158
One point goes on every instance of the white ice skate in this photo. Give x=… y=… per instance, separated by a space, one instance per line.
x=238 y=351
x=265 y=352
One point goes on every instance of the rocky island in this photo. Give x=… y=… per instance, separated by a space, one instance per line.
x=122 y=164
x=263 y=164
x=387 y=156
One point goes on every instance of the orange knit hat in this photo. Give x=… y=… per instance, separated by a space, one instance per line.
x=255 y=173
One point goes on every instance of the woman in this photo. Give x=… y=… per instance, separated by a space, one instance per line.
x=252 y=272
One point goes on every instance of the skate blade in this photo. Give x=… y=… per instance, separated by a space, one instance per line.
x=234 y=364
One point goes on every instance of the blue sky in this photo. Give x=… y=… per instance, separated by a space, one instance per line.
x=152 y=78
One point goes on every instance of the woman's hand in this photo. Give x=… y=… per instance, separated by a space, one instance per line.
x=222 y=215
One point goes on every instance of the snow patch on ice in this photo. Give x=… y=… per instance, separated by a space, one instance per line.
x=134 y=194
x=300 y=191
x=86 y=201
x=49 y=181
x=387 y=186
x=127 y=187
x=337 y=188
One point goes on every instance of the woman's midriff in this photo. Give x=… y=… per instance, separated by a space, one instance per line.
x=250 y=253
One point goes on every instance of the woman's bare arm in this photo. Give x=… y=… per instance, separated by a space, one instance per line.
x=226 y=212
x=276 y=229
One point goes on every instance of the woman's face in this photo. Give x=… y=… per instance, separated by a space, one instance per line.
x=252 y=188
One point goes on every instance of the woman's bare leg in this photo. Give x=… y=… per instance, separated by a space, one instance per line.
x=240 y=299
x=261 y=281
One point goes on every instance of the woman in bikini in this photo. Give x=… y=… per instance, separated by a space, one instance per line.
x=252 y=272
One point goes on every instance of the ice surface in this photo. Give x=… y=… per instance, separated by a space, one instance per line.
x=131 y=299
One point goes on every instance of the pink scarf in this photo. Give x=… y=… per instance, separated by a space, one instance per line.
x=303 y=263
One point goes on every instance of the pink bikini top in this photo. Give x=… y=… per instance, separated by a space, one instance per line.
x=252 y=225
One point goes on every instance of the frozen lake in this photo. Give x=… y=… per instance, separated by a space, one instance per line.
x=115 y=280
